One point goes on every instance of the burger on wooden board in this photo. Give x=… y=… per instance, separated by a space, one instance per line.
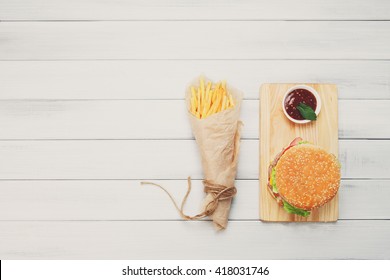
x=303 y=177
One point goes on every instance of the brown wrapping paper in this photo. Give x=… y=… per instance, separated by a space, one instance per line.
x=218 y=139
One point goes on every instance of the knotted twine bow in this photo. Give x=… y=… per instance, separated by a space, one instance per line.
x=219 y=192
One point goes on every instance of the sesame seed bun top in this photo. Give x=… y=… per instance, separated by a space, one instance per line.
x=307 y=176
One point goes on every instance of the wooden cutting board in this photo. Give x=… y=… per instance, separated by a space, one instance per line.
x=276 y=132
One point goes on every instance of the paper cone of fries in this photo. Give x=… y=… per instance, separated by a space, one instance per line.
x=214 y=112
x=218 y=139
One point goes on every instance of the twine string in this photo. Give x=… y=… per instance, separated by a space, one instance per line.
x=218 y=192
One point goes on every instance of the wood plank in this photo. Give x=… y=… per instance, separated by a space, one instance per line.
x=127 y=200
x=194 y=10
x=175 y=240
x=126 y=119
x=158 y=159
x=144 y=79
x=175 y=40
x=276 y=131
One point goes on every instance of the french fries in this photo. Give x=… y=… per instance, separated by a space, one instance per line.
x=210 y=99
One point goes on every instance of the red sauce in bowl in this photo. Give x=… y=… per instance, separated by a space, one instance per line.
x=295 y=97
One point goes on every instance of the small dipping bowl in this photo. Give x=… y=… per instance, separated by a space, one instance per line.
x=311 y=90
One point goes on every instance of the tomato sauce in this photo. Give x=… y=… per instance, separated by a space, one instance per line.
x=295 y=97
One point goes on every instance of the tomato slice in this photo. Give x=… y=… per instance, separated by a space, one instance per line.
x=292 y=144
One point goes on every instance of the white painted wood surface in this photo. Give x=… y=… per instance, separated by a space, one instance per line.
x=195 y=40
x=72 y=200
x=121 y=119
x=133 y=79
x=194 y=240
x=194 y=10
x=158 y=159
x=91 y=102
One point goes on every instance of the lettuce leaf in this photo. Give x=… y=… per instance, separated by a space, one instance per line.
x=273 y=181
x=292 y=210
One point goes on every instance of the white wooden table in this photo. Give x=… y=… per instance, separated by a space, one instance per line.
x=92 y=102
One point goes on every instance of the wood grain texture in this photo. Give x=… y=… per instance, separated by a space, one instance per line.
x=126 y=119
x=156 y=159
x=121 y=79
x=175 y=40
x=194 y=10
x=276 y=132
x=152 y=55
x=193 y=240
x=126 y=200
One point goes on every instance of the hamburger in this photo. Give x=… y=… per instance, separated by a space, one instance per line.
x=303 y=177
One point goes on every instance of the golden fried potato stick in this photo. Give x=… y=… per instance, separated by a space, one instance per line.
x=210 y=99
